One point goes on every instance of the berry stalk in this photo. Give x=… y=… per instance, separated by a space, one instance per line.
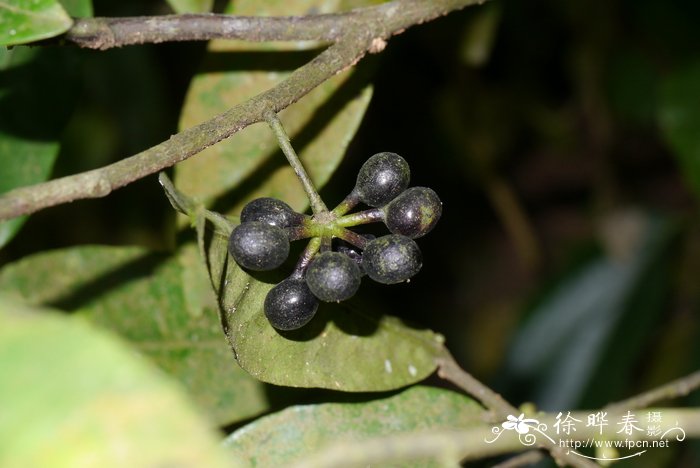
x=309 y=252
x=317 y=205
x=353 y=238
x=362 y=217
x=347 y=204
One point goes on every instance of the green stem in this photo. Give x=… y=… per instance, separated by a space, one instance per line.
x=353 y=238
x=221 y=224
x=348 y=204
x=326 y=243
x=311 y=249
x=362 y=217
x=317 y=205
x=298 y=232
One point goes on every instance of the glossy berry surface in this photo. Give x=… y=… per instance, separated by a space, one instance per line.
x=270 y=211
x=258 y=246
x=290 y=304
x=333 y=276
x=353 y=252
x=414 y=213
x=391 y=259
x=381 y=178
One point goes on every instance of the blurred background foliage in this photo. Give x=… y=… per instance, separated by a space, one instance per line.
x=564 y=140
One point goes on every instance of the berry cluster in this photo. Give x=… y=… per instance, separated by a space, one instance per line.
x=261 y=241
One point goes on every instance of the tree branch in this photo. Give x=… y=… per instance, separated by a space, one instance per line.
x=449 y=370
x=675 y=389
x=500 y=409
x=106 y=33
x=364 y=30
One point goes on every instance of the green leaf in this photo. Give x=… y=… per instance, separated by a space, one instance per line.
x=78 y=8
x=345 y=347
x=38 y=90
x=73 y=395
x=679 y=116
x=285 y=437
x=191 y=6
x=31 y=20
x=139 y=295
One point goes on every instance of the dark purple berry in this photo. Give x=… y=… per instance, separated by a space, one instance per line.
x=381 y=178
x=414 y=213
x=333 y=276
x=391 y=259
x=258 y=246
x=271 y=211
x=290 y=304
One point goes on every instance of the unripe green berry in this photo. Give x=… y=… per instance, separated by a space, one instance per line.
x=271 y=211
x=290 y=304
x=333 y=276
x=381 y=178
x=414 y=213
x=258 y=246
x=391 y=259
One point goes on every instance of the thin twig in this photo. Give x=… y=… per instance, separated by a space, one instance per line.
x=317 y=205
x=449 y=370
x=675 y=389
x=359 y=37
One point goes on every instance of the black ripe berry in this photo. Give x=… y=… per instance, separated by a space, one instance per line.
x=391 y=259
x=381 y=178
x=414 y=213
x=290 y=304
x=333 y=276
x=258 y=246
x=270 y=211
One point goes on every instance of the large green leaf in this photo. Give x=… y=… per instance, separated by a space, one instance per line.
x=73 y=395
x=38 y=90
x=25 y=21
x=191 y=6
x=345 y=347
x=285 y=437
x=138 y=294
x=679 y=116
